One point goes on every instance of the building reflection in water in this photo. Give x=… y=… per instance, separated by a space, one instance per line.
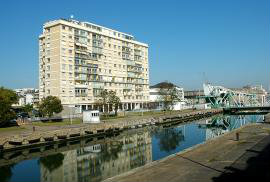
x=222 y=124
x=101 y=161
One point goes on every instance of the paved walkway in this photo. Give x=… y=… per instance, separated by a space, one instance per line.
x=221 y=159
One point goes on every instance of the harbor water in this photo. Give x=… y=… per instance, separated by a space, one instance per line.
x=96 y=159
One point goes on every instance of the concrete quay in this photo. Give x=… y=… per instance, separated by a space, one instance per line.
x=221 y=159
x=48 y=136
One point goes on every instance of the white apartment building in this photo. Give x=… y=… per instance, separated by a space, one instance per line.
x=79 y=59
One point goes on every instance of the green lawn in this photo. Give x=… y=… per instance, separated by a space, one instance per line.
x=145 y=114
x=57 y=123
x=13 y=128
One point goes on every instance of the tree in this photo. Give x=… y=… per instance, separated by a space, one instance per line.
x=114 y=100
x=169 y=139
x=50 y=105
x=6 y=172
x=169 y=95
x=108 y=98
x=28 y=108
x=7 y=98
x=52 y=162
x=103 y=101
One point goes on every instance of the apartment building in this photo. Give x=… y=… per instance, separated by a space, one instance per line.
x=79 y=59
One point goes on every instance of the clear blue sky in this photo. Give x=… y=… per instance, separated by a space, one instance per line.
x=228 y=40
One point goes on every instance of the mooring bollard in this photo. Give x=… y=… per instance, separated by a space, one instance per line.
x=237 y=136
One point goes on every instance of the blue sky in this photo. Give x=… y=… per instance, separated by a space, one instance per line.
x=228 y=41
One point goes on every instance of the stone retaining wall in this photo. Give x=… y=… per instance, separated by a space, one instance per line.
x=41 y=138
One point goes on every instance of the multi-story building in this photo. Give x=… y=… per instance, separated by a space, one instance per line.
x=79 y=59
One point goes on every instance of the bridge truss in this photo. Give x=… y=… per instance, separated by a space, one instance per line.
x=220 y=97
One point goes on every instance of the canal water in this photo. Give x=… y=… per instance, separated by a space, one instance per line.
x=102 y=158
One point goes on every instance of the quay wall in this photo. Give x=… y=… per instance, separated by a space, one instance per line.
x=39 y=138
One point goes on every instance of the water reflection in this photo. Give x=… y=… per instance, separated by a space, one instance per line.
x=99 y=161
x=52 y=162
x=6 y=173
x=104 y=158
x=219 y=125
x=169 y=138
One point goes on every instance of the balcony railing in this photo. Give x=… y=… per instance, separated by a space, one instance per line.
x=98 y=85
x=131 y=74
x=130 y=63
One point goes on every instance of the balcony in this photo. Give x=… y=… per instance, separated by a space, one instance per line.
x=80 y=94
x=81 y=86
x=128 y=87
x=130 y=63
x=98 y=85
x=131 y=75
x=127 y=93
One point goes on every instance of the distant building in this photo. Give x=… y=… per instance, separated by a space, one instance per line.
x=194 y=97
x=27 y=96
x=257 y=90
x=155 y=97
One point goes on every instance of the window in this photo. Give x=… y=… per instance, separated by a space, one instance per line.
x=70 y=29
x=115 y=65
x=63 y=27
x=70 y=51
x=63 y=66
x=70 y=37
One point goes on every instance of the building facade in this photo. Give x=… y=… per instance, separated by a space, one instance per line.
x=79 y=59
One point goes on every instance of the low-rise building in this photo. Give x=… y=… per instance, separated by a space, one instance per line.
x=194 y=97
x=156 y=101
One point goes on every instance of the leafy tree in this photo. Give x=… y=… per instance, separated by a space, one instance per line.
x=169 y=139
x=50 y=105
x=114 y=100
x=169 y=95
x=7 y=98
x=103 y=101
x=108 y=98
x=28 y=108
x=52 y=162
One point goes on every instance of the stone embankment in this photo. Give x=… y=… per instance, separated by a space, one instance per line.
x=39 y=138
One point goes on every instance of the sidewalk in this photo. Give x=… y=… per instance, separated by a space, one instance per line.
x=220 y=159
